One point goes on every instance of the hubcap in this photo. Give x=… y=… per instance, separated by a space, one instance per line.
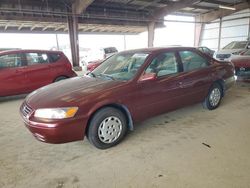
x=215 y=96
x=110 y=129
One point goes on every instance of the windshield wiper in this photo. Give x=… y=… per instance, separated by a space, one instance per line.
x=107 y=76
x=92 y=74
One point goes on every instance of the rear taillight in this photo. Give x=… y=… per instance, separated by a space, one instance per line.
x=69 y=66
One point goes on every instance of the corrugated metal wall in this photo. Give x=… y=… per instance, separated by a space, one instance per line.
x=232 y=29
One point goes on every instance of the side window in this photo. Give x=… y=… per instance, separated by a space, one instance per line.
x=54 y=57
x=192 y=60
x=163 y=64
x=11 y=60
x=37 y=58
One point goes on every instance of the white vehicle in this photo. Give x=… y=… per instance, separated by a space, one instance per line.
x=232 y=49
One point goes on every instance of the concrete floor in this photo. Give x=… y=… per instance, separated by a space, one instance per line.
x=165 y=151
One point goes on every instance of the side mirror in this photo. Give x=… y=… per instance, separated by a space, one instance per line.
x=148 y=76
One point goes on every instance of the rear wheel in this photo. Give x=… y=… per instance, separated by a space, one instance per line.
x=60 y=78
x=107 y=128
x=214 y=97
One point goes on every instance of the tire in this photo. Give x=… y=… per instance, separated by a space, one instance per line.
x=107 y=128
x=60 y=78
x=213 y=99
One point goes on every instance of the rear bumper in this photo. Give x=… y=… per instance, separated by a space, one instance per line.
x=58 y=131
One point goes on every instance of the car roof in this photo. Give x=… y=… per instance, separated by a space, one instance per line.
x=5 y=52
x=157 y=49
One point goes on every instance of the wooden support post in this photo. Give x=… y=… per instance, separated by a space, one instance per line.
x=151 y=33
x=219 y=38
x=198 y=32
x=74 y=43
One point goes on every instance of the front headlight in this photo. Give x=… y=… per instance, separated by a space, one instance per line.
x=56 y=113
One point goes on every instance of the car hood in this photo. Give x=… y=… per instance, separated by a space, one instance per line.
x=241 y=61
x=228 y=51
x=69 y=92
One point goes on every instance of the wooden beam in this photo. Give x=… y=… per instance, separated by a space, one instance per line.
x=33 y=27
x=79 y=6
x=60 y=27
x=173 y=7
x=20 y=27
x=48 y=26
x=213 y=15
x=217 y=2
x=147 y=4
x=6 y=26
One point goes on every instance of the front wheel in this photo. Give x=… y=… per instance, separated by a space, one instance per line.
x=213 y=98
x=107 y=128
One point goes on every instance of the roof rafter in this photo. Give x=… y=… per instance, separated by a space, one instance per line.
x=79 y=6
x=213 y=15
x=173 y=7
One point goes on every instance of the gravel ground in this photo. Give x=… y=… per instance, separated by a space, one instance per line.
x=190 y=147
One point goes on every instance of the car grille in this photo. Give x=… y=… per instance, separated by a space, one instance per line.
x=26 y=110
x=223 y=56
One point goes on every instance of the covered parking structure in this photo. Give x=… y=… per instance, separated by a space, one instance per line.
x=107 y=16
x=189 y=147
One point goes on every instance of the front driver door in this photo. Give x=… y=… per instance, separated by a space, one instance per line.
x=161 y=94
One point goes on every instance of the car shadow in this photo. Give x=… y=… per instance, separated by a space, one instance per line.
x=12 y=98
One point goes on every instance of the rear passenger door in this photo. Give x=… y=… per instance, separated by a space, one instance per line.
x=38 y=69
x=196 y=76
x=58 y=67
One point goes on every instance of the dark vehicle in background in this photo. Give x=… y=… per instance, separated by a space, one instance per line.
x=128 y=87
x=232 y=49
x=22 y=71
x=108 y=51
x=206 y=50
x=242 y=65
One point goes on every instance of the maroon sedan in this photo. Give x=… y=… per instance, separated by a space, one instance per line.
x=242 y=65
x=22 y=71
x=126 y=88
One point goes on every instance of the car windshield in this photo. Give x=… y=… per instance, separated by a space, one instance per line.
x=122 y=66
x=236 y=45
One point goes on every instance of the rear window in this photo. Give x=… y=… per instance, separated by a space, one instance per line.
x=11 y=60
x=34 y=58
x=54 y=57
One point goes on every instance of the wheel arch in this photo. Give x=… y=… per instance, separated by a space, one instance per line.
x=119 y=107
x=65 y=76
x=222 y=85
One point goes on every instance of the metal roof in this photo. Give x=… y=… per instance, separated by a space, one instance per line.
x=112 y=16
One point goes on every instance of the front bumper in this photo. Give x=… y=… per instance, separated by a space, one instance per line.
x=56 y=131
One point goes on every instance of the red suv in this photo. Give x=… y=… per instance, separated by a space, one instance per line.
x=22 y=71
